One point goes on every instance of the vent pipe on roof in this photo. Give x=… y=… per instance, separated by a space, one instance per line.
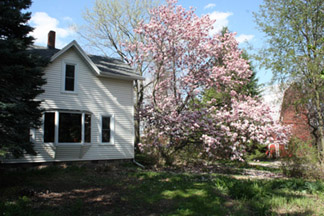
x=51 y=40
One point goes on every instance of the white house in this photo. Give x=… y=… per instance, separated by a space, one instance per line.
x=88 y=107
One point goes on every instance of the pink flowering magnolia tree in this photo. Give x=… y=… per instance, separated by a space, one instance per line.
x=245 y=120
x=186 y=60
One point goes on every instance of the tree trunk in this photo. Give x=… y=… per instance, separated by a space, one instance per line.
x=137 y=107
x=137 y=133
x=320 y=141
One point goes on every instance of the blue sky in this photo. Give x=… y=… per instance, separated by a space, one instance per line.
x=65 y=16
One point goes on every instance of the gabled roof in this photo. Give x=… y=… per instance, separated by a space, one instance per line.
x=100 y=65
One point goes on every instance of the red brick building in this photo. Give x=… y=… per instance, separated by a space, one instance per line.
x=295 y=114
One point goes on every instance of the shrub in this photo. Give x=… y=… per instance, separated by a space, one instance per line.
x=301 y=160
x=147 y=159
x=164 y=154
x=154 y=154
x=255 y=151
x=19 y=207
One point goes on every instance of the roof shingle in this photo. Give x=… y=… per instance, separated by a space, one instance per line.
x=106 y=65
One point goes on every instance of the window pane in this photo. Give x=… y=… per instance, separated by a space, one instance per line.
x=105 y=129
x=70 y=128
x=106 y=135
x=69 y=84
x=49 y=127
x=69 y=77
x=87 y=128
x=70 y=70
x=105 y=122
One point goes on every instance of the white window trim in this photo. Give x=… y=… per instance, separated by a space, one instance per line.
x=56 y=130
x=112 y=130
x=76 y=72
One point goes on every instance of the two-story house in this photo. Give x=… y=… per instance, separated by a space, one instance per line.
x=88 y=107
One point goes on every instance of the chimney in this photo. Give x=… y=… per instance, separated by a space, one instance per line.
x=51 y=40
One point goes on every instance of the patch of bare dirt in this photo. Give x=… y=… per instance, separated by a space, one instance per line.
x=224 y=169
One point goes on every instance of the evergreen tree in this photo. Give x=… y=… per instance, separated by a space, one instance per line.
x=252 y=88
x=20 y=79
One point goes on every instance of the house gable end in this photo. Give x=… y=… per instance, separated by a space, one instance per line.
x=110 y=72
x=74 y=45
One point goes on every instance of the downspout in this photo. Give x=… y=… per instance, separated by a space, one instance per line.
x=138 y=164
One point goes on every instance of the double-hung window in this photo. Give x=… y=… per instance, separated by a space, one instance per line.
x=69 y=81
x=107 y=129
x=67 y=127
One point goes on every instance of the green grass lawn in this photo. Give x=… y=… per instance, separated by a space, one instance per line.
x=127 y=190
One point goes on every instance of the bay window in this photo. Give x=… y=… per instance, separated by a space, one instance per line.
x=67 y=127
x=87 y=128
x=70 y=128
x=49 y=127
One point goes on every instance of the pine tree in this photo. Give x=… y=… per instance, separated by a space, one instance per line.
x=252 y=88
x=20 y=79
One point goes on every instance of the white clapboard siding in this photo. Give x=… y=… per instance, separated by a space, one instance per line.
x=98 y=95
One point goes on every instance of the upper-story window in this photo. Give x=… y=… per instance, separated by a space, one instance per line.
x=69 y=77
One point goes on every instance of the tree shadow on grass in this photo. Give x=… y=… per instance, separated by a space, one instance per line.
x=127 y=191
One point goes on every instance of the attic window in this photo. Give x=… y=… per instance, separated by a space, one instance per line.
x=69 y=77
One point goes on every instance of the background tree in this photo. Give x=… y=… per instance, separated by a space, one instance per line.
x=20 y=79
x=294 y=30
x=251 y=88
x=109 y=24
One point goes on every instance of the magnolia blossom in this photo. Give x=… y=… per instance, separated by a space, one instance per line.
x=246 y=120
x=186 y=60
